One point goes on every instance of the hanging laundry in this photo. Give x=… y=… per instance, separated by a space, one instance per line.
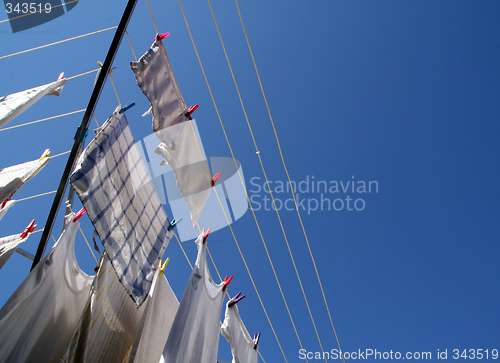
x=114 y=186
x=194 y=336
x=14 y=177
x=13 y=105
x=180 y=146
x=235 y=332
x=8 y=246
x=112 y=329
x=4 y=207
x=38 y=320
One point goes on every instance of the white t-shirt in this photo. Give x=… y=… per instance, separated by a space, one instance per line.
x=37 y=322
x=238 y=337
x=194 y=336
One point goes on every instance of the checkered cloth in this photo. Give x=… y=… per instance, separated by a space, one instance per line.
x=115 y=189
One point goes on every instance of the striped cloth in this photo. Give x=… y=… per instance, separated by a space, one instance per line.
x=112 y=329
x=180 y=146
x=115 y=189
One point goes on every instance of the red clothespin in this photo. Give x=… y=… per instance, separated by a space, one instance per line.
x=162 y=36
x=235 y=299
x=79 y=214
x=190 y=110
x=61 y=76
x=226 y=282
x=205 y=234
x=31 y=227
x=215 y=178
x=4 y=203
x=256 y=338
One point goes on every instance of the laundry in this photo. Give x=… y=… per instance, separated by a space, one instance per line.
x=13 y=178
x=5 y=206
x=8 y=246
x=112 y=329
x=13 y=105
x=180 y=146
x=235 y=332
x=38 y=320
x=113 y=184
x=194 y=336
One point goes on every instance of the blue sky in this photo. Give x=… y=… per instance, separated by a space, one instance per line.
x=404 y=94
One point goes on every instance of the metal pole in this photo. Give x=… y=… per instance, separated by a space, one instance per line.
x=82 y=129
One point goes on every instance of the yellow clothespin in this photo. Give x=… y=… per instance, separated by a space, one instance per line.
x=163 y=266
x=45 y=155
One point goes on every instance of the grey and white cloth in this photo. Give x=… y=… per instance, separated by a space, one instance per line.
x=5 y=206
x=180 y=146
x=13 y=177
x=13 y=105
x=113 y=184
x=8 y=246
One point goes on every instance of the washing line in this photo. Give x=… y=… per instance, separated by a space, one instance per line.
x=58 y=42
x=289 y=179
x=232 y=154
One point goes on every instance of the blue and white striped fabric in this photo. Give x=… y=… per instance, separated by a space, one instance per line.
x=115 y=189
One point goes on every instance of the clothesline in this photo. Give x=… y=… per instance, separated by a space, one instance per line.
x=58 y=42
x=288 y=175
x=41 y=120
x=234 y=159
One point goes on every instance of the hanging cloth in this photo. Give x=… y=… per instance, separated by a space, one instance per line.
x=194 y=336
x=113 y=184
x=37 y=321
x=8 y=246
x=180 y=146
x=14 y=177
x=112 y=329
x=4 y=207
x=235 y=332
x=13 y=105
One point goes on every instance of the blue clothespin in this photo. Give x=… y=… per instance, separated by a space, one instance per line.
x=127 y=107
x=173 y=223
x=235 y=299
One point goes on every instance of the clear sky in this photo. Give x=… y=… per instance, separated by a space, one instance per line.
x=400 y=94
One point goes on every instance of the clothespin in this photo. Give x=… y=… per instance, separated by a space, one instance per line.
x=226 y=282
x=173 y=223
x=162 y=36
x=61 y=76
x=31 y=227
x=163 y=266
x=256 y=338
x=127 y=107
x=215 y=178
x=235 y=299
x=190 y=110
x=4 y=203
x=80 y=213
x=205 y=234
x=45 y=155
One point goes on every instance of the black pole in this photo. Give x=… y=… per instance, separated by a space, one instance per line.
x=82 y=129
